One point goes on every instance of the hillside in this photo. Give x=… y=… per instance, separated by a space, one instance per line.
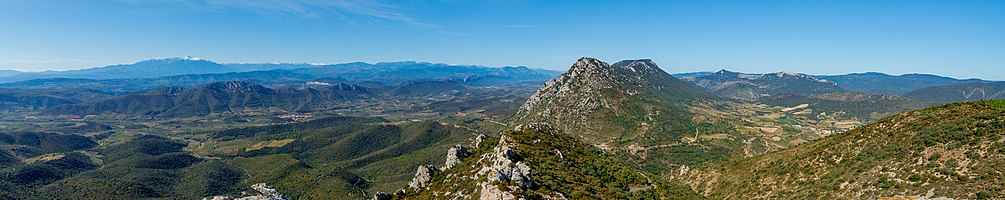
x=754 y=86
x=338 y=157
x=866 y=107
x=954 y=150
x=536 y=162
x=215 y=98
x=121 y=86
x=29 y=100
x=424 y=88
x=33 y=159
x=147 y=167
x=332 y=157
x=880 y=83
x=959 y=92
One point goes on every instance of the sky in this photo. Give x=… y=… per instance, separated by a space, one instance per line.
x=955 y=38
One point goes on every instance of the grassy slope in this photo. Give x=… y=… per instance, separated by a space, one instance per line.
x=583 y=171
x=955 y=149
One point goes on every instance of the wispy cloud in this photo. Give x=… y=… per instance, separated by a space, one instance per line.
x=371 y=9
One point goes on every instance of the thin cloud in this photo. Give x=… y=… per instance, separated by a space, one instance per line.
x=308 y=8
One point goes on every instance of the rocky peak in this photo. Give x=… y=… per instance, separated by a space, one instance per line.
x=593 y=88
x=422 y=178
x=724 y=71
x=588 y=64
x=643 y=66
x=596 y=70
x=478 y=140
x=500 y=165
x=454 y=156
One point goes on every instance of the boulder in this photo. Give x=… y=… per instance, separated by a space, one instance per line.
x=454 y=156
x=422 y=177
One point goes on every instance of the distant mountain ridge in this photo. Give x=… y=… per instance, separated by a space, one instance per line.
x=143 y=69
x=5 y=73
x=409 y=71
x=190 y=72
x=216 y=98
x=21 y=100
x=134 y=85
x=959 y=92
x=754 y=86
x=880 y=83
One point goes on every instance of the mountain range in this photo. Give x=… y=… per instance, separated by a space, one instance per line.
x=189 y=71
x=151 y=69
x=192 y=72
x=753 y=86
x=919 y=87
x=880 y=83
x=217 y=98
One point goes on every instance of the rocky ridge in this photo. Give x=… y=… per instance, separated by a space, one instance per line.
x=502 y=164
x=537 y=161
x=264 y=193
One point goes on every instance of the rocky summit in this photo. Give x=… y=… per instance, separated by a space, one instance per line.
x=618 y=103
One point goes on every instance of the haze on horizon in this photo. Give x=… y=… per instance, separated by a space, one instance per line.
x=953 y=38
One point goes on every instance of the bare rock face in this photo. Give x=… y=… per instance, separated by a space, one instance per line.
x=502 y=165
x=422 y=177
x=382 y=196
x=267 y=191
x=454 y=156
x=264 y=193
x=478 y=140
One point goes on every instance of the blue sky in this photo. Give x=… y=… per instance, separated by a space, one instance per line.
x=954 y=38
